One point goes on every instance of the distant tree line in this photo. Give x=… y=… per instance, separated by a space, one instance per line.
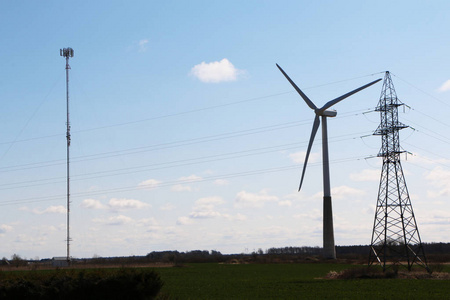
x=195 y=256
x=294 y=251
x=435 y=253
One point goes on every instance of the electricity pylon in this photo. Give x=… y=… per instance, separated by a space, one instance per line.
x=395 y=236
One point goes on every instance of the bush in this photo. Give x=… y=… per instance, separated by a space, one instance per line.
x=18 y=261
x=362 y=273
x=436 y=267
x=82 y=284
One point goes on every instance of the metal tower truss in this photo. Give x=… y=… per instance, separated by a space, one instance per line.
x=67 y=53
x=395 y=236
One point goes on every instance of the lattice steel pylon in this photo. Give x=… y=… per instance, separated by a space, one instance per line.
x=395 y=236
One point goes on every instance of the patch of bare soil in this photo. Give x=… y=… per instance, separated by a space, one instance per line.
x=368 y=274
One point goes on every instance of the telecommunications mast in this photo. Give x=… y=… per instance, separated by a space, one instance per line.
x=67 y=52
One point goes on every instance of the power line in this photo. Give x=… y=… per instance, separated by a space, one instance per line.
x=441 y=137
x=165 y=165
x=419 y=89
x=167 y=145
x=33 y=139
x=436 y=162
x=16 y=140
x=433 y=118
x=154 y=118
x=219 y=106
x=169 y=183
x=177 y=114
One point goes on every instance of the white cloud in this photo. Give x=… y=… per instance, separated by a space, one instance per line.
x=215 y=200
x=143 y=45
x=436 y=217
x=204 y=214
x=285 y=203
x=123 y=203
x=433 y=224
x=115 y=220
x=181 y=188
x=344 y=191
x=426 y=161
x=246 y=199
x=184 y=187
x=150 y=184
x=184 y=221
x=51 y=210
x=274 y=232
x=191 y=178
x=124 y=220
x=92 y=204
x=5 y=228
x=296 y=196
x=146 y=222
x=221 y=182
x=366 y=175
x=314 y=215
x=205 y=208
x=217 y=71
x=238 y=217
x=299 y=157
x=445 y=86
x=167 y=206
x=114 y=204
x=439 y=178
x=46 y=229
x=33 y=240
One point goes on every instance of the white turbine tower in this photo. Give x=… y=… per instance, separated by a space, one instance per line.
x=323 y=113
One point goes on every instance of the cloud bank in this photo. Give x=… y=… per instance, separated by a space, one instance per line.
x=246 y=199
x=115 y=204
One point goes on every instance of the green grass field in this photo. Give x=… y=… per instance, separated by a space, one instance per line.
x=289 y=281
x=247 y=281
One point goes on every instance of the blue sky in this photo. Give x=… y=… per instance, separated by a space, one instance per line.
x=186 y=136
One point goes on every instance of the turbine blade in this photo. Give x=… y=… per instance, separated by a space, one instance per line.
x=307 y=100
x=333 y=102
x=311 y=140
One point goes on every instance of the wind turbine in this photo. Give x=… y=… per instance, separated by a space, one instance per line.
x=323 y=113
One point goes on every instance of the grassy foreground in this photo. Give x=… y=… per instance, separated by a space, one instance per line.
x=288 y=281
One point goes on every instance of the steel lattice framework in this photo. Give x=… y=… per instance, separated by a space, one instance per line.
x=395 y=236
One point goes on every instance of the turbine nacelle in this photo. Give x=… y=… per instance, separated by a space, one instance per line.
x=326 y=113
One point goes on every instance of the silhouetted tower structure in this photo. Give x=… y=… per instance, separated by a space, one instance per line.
x=67 y=52
x=395 y=236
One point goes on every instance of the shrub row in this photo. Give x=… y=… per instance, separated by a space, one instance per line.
x=70 y=284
